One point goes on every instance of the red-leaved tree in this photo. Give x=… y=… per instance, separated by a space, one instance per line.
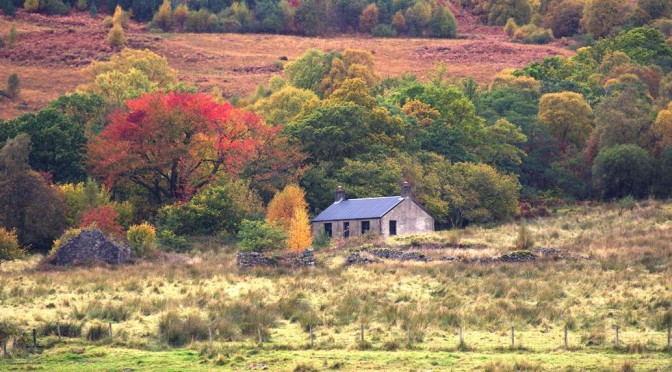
x=105 y=219
x=173 y=144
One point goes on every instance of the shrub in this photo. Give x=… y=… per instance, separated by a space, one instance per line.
x=213 y=210
x=13 y=85
x=179 y=330
x=260 y=236
x=104 y=218
x=9 y=245
x=142 y=239
x=321 y=241
x=97 y=331
x=64 y=238
x=169 y=240
x=501 y=10
x=510 y=27
x=11 y=37
x=116 y=35
x=564 y=17
x=525 y=239
x=7 y=330
x=107 y=21
x=82 y=5
x=120 y=17
x=31 y=5
x=52 y=7
x=68 y=329
x=531 y=34
x=383 y=30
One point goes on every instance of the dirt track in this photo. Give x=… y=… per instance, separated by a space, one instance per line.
x=51 y=51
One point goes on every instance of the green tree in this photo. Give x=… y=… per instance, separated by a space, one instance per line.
x=311 y=17
x=307 y=71
x=284 y=105
x=219 y=209
x=58 y=144
x=164 y=16
x=13 y=85
x=478 y=193
x=11 y=37
x=600 y=16
x=568 y=116
x=622 y=170
x=443 y=23
x=501 y=146
x=368 y=20
x=28 y=204
x=624 y=117
x=500 y=11
x=260 y=236
x=332 y=132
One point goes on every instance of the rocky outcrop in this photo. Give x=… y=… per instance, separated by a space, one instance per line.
x=90 y=247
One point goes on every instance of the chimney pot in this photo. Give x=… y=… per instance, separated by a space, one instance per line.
x=406 y=190
x=340 y=194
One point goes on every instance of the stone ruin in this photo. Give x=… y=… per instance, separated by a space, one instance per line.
x=290 y=260
x=90 y=246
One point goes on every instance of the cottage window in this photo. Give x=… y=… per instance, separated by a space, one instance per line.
x=327 y=229
x=346 y=229
x=366 y=226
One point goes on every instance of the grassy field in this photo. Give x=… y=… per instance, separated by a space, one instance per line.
x=614 y=270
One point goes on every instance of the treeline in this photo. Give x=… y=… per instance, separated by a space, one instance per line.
x=596 y=126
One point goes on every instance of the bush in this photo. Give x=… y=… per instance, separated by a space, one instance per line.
x=510 y=27
x=31 y=5
x=322 y=240
x=107 y=21
x=64 y=238
x=179 y=330
x=120 y=17
x=53 y=7
x=383 y=30
x=142 y=239
x=11 y=37
x=531 y=34
x=116 y=35
x=9 y=245
x=213 y=210
x=500 y=11
x=97 y=331
x=13 y=85
x=260 y=236
x=525 y=240
x=104 y=218
x=169 y=240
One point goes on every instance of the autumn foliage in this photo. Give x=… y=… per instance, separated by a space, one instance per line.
x=173 y=144
x=104 y=218
x=289 y=210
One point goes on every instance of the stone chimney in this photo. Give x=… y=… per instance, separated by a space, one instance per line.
x=340 y=194
x=406 y=190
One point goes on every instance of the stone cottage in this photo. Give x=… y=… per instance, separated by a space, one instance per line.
x=388 y=216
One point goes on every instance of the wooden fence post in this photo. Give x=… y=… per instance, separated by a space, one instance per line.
x=110 y=329
x=669 y=333
x=312 y=338
x=58 y=330
x=4 y=349
x=461 y=338
x=513 y=338
x=617 y=328
x=209 y=333
x=34 y=339
x=361 y=333
x=261 y=340
x=566 y=343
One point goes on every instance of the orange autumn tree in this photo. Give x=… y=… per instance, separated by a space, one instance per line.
x=173 y=144
x=288 y=210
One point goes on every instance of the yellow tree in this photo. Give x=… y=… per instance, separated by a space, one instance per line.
x=300 y=236
x=288 y=210
x=369 y=18
x=662 y=128
x=164 y=17
x=568 y=116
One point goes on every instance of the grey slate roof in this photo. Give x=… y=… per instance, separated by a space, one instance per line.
x=357 y=209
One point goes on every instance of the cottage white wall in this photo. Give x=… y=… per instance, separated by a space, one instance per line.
x=411 y=219
x=337 y=227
